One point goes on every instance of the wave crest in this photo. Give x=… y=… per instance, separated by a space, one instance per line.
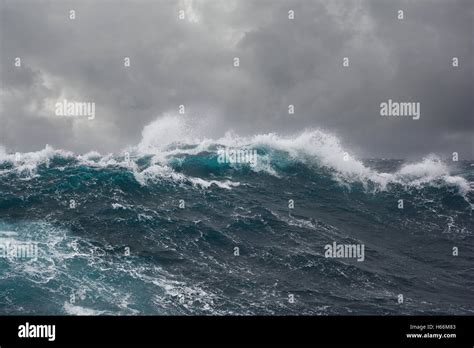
x=172 y=138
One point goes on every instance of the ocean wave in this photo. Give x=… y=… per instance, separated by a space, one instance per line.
x=170 y=139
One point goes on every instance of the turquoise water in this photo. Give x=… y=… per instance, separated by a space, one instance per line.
x=135 y=236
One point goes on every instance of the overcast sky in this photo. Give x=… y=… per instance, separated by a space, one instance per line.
x=282 y=62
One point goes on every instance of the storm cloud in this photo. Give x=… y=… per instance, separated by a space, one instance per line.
x=283 y=61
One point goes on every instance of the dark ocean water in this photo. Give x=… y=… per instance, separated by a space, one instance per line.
x=182 y=260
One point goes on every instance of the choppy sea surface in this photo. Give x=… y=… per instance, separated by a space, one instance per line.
x=154 y=230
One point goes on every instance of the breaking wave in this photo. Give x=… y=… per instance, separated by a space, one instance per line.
x=181 y=211
x=170 y=141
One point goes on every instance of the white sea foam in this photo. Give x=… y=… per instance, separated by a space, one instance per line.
x=27 y=162
x=158 y=172
x=61 y=252
x=173 y=135
x=312 y=146
x=79 y=310
x=116 y=206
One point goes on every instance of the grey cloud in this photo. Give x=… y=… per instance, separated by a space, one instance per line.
x=282 y=62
